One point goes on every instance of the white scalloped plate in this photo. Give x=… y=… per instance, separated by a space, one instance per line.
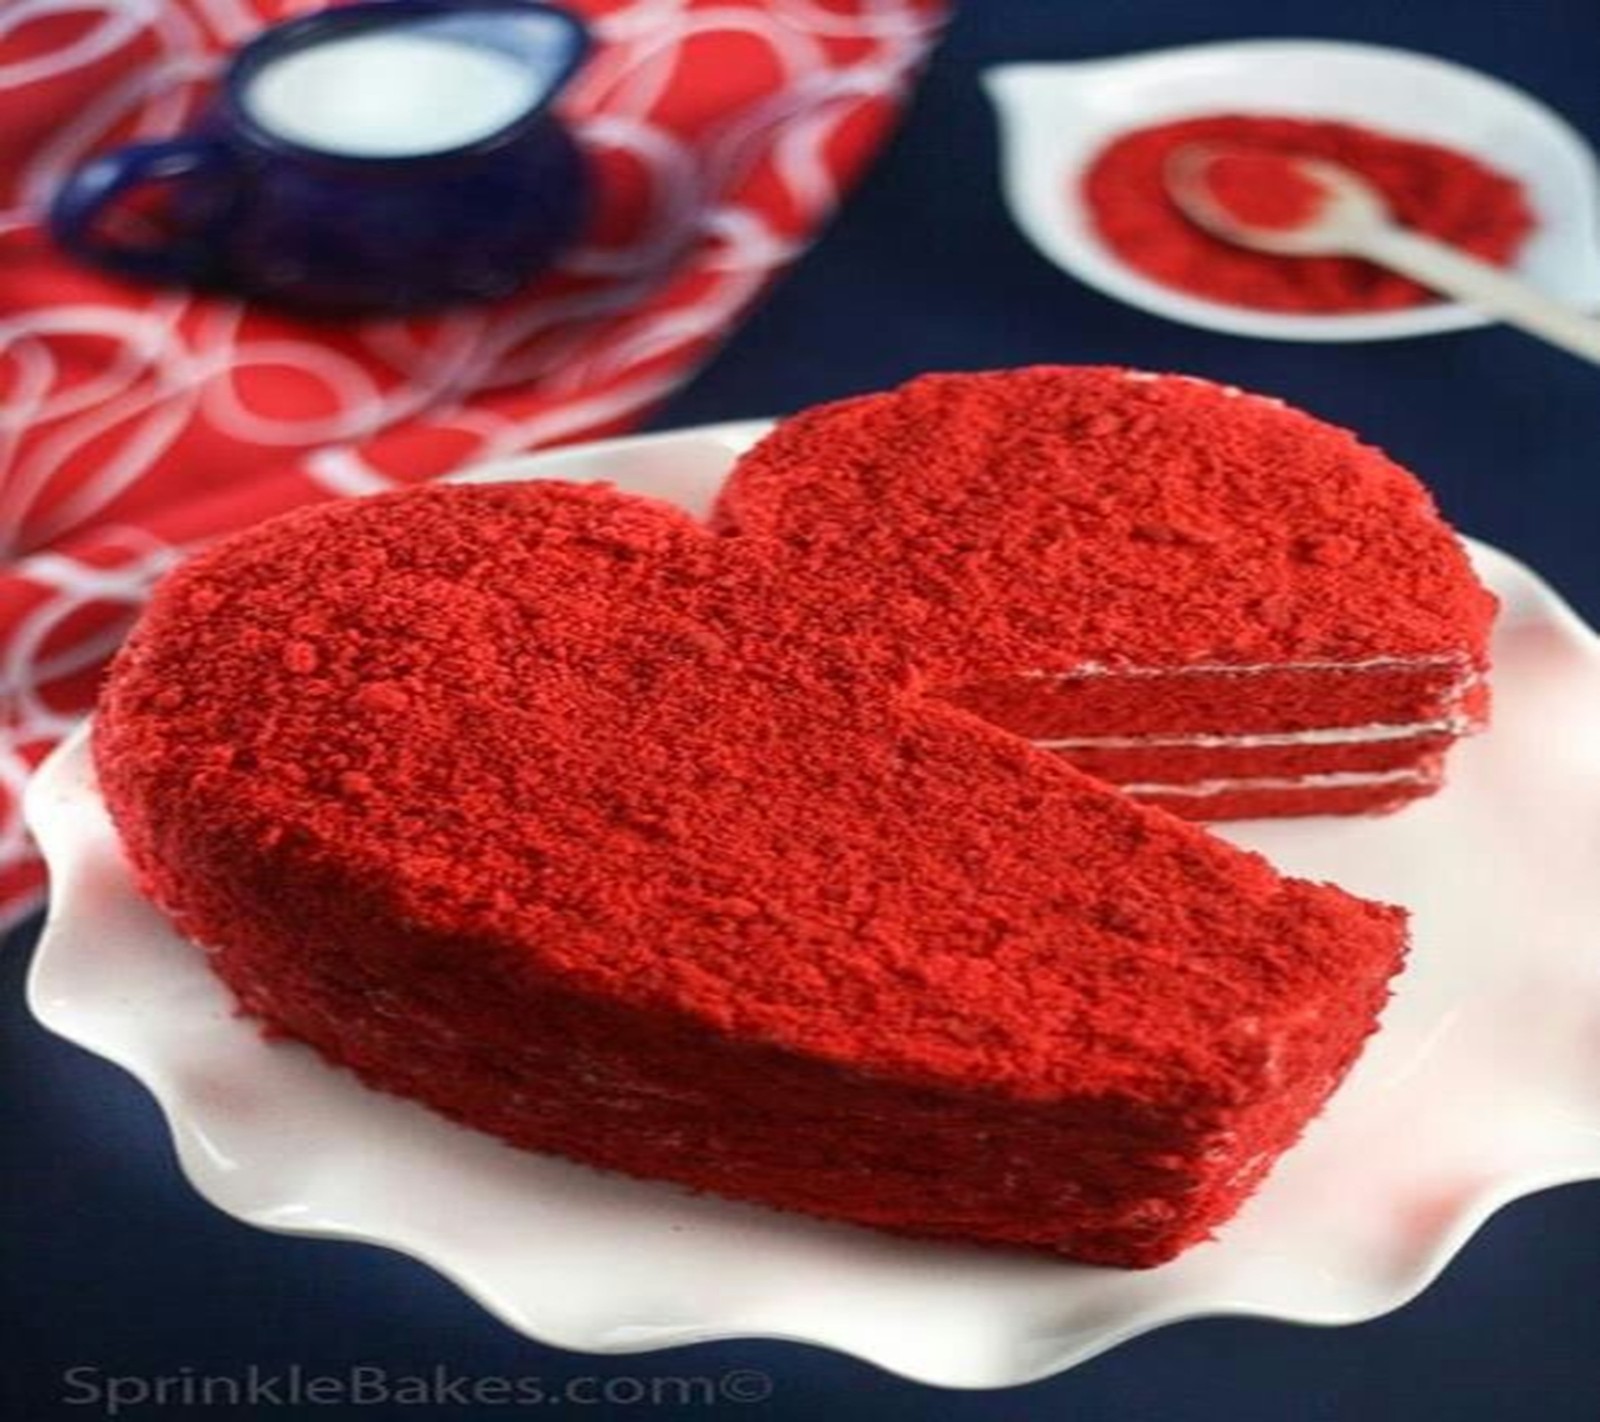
x=1055 y=117
x=1483 y=1085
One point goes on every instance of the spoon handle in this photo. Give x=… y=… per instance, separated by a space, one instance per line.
x=1452 y=273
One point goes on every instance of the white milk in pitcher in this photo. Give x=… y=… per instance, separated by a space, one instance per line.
x=392 y=94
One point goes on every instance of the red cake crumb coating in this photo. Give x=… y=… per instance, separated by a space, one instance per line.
x=1087 y=552
x=543 y=806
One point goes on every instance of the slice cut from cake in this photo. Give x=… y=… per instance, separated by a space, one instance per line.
x=548 y=808
x=1221 y=604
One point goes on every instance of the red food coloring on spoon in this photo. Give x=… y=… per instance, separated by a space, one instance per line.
x=1259 y=189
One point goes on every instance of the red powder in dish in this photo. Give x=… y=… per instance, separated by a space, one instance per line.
x=1262 y=189
x=1429 y=188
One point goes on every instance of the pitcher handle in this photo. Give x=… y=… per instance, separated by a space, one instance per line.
x=86 y=195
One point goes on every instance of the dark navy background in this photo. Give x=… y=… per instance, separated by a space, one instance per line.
x=108 y=1260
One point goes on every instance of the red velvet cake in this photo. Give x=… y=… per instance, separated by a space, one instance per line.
x=1217 y=602
x=722 y=859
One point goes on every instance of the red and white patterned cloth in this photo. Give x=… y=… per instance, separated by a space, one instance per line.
x=136 y=424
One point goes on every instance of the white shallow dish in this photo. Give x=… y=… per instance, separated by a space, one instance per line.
x=1054 y=118
x=1483 y=1085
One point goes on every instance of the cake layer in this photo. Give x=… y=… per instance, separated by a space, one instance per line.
x=541 y=805
x=1228 y=700
x=1269 y=797
x=1246 y=758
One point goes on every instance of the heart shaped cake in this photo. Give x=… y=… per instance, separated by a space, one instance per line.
x=724 y=860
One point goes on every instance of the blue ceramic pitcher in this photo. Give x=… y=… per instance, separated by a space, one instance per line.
x=391 y=155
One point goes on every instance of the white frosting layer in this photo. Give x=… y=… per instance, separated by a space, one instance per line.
x=1319 y=736
x=1339 y=780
